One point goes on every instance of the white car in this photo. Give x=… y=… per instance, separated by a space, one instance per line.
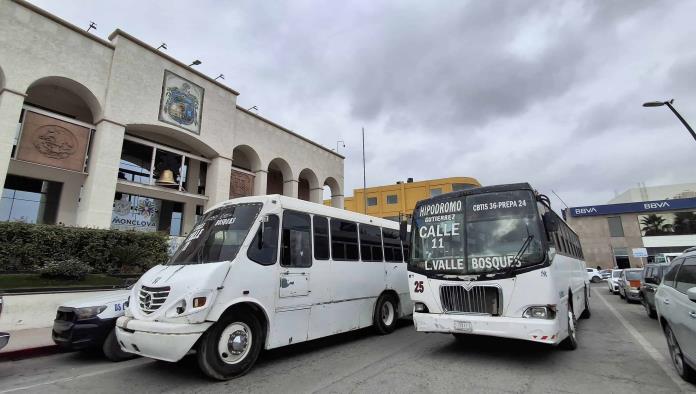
x=4 y=337
x=593 y=275
x=89 y=324
x=613 y=281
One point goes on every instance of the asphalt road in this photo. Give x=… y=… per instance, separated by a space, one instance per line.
x=621 y=351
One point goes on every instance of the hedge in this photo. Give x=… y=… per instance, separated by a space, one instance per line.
x=29 y=247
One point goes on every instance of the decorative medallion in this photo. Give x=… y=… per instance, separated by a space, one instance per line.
x=54 y=142
x=181 y=103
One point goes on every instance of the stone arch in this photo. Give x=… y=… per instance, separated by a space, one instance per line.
x=246 y=158
x=308 y=187
x=65 y=96
x=336 y=192
x=172 y=137
x=280 y=178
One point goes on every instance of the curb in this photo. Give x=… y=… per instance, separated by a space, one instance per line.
x=29 y=353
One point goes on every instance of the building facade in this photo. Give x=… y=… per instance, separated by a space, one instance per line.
x=398 y=200
x=610 y=233
x=116 y=134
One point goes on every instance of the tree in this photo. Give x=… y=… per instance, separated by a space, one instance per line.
x=654 y=224
x=684 y=223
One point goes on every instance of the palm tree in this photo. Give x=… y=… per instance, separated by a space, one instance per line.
x=685 y=222
x=654 y=224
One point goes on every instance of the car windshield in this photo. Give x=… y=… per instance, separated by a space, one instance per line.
x=616 y=274
x=477 y=234
x=218 y=236
x=633 y=275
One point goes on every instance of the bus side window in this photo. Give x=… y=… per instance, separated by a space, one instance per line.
x=344 y=240
x=392 y=246
x=265 y=250
x=296 y=241
x=370 y=243
x=321 y=238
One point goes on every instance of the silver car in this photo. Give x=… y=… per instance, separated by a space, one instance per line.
x=675 y=301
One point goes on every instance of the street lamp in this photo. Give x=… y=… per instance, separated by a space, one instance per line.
x=669 y=104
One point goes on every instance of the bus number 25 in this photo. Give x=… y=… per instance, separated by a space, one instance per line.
x=419 y=286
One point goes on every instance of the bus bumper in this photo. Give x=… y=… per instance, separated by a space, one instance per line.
x=536 y=330
x=162 y=341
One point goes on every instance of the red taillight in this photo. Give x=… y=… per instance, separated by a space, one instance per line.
x=634 y=283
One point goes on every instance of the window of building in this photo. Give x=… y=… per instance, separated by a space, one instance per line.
x=392 y=199
x=321 y=238
x=461 y=186
x=344 y=240
x=370 y=243
x=686 y=277
x=671 y=223
x=29 y=200
x=296 y=244
x=392 y=246
x=371 y=201
x=138 y=213
x=435 y=192
x=615 y=226
x=136 y=161
x=264 y=246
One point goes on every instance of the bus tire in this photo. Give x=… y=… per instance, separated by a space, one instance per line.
x=231 y=346
x=386 y=314
x=586 y=314
x=112 y=350
x=571 y=342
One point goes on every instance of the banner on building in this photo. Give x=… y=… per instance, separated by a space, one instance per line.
x=136 y=213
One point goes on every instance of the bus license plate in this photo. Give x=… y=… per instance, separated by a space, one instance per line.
x=463 y=326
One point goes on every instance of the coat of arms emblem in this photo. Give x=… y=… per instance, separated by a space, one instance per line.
x=181 y=102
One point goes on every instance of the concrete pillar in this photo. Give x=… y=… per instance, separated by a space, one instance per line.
x=68 y=204
x=290 y=187
x=10 y=109
x=260 y=182
x=316 y=195
x=217 y=184
x=194 y=171
x=337 y=200
x=189 y=217
x=99 y=188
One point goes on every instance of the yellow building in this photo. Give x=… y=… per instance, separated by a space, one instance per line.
x=393 y=201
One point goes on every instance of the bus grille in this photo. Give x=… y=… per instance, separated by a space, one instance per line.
x=476 y=299
x=151 y=298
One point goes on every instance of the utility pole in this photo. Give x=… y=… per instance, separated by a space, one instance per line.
x=364 y=172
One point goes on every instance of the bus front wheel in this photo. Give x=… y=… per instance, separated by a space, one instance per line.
x=231 y=346
x=386 y=314
x=571 y=342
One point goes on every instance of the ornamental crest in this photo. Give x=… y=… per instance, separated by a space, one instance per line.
x=181 y=103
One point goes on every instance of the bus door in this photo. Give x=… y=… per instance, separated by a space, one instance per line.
x=396 y=273
x=294 y=295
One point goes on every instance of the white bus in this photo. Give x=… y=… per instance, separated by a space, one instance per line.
x=496 y=261
x=264 y=272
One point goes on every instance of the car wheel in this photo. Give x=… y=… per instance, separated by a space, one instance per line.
x=649 y=310
x=112 y=350
x=621 y=294
x=596 y=279
x=231 y=346
x=683 y=369
x=586 y=312
x=571 y=342
x=385 y=315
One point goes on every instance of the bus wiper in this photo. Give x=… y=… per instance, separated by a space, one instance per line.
x=520 y=252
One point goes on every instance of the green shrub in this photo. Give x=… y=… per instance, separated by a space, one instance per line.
x=72 y=269
x=25 y=247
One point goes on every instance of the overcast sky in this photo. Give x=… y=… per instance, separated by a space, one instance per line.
x=546 y=92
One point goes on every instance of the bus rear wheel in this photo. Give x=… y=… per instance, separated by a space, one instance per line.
x=385 y=314
x=586 y=312
x=231 y=346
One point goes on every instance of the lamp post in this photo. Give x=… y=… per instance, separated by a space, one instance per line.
x=677 y=114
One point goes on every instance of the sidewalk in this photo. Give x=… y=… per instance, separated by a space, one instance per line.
x=29 y=339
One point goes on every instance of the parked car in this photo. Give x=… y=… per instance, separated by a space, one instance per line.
x=675 y=302
x=89 y=324
x=4 y=337
x=605 y=274
x=613 y=281
x=629 y=284
x=652 y=276
x=593 y=275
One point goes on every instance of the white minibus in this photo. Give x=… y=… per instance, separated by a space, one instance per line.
x=496 y=261
x=263 y=272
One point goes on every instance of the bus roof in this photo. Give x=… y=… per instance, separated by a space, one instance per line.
x=310 y=207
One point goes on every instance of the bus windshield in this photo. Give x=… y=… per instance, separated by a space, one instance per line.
x=477 y=234
x=218 y=236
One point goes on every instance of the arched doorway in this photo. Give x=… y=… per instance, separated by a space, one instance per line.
x=280 y=178
x=64 y=97
x=245 y=163
x=308 y=187
x=336 y=192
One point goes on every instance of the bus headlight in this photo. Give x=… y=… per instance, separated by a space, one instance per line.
x=540 y=312
x=420 y=307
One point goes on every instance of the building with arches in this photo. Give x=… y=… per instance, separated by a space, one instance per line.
x=116 y=134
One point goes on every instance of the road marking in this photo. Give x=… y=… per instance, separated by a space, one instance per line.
x=664 y=363
x=86 y=375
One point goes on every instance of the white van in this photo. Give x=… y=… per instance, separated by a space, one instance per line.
x=264 y=272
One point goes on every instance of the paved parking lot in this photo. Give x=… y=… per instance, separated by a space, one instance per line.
x=621 y=351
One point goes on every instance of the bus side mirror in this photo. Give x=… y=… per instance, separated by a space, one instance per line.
x=403 y=231
x=550 y=222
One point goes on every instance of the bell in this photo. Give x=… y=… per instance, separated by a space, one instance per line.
x=166 y=178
